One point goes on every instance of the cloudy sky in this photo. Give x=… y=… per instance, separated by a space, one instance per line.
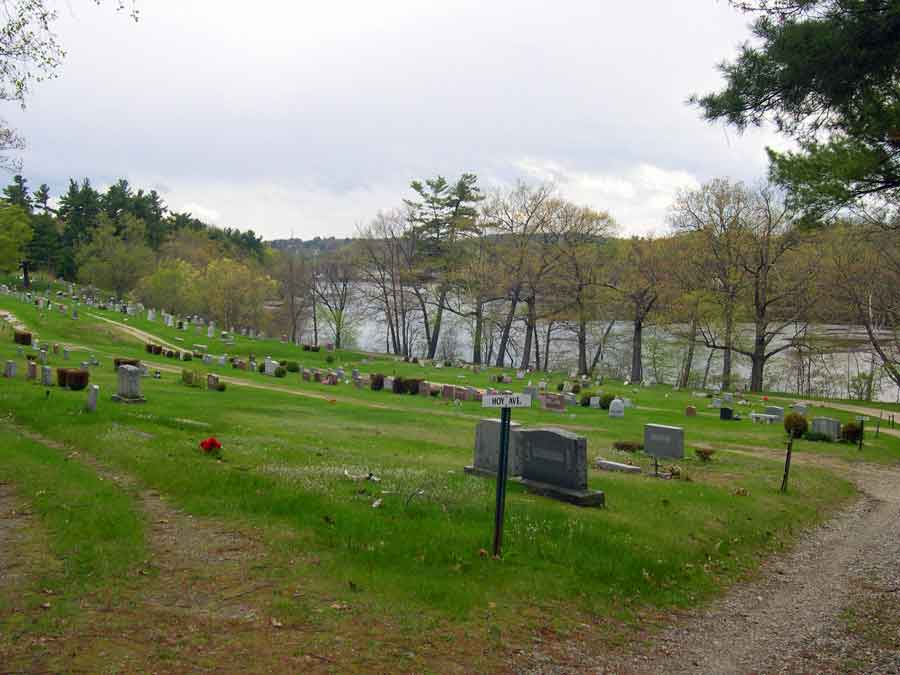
x=307 y=118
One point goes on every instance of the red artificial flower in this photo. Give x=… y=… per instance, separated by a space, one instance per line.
x=765 y=398
x=210 y=444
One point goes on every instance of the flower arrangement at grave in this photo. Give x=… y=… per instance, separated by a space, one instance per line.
x=211 y=446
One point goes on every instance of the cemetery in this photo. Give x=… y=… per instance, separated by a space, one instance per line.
x=598 y=499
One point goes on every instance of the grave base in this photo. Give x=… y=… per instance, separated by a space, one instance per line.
x=486 y=473
x=122 y=399
x=606 y=465
x=577 y=497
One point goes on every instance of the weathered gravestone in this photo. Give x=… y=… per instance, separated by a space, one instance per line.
x=10 y=369
x=607 y=465
x=270 y=366
x=827 y=426
x=664 y=442
x=800 y=409
x=552 y=402
x=595 y=402
x=777 y=411
x=129 y=385
x=46 y=376
x=487 y=449
x=690 y=411
x=93 y=395
x=554 y=463
x=424 y=389
x=716 y=403
x=617 y=408
x=212 y=381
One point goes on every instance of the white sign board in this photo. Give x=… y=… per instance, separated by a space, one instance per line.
x=506 y=401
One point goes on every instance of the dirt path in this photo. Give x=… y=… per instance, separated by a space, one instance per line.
x=202 y=597
x=829 y=606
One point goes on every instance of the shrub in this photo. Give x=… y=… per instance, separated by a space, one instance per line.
x=305 y=348
x=434 y=392
x=280 y=371
x=415 y=359
x=576 y=388
x=448 y=363
x=816 y=437
x=187 y=356
x=170 y=354
x=560 y=386
x=377 y=383
x=119 y=361
x=704 y=454
x=292 y=366
x=795 y=424
x=315 y=348
x=585 y=400
x=187 y=377
x=605 y=401
x=62 y=377
x=412 y=386
x=261 y=368
x=329 y=358
x=851 y=432
x=399 y=385
x=22 y=337
x=220 y=386
x=77 y=379
x=148 y=348
x=628 y=446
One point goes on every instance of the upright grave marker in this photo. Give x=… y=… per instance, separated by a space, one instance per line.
x=506 y=402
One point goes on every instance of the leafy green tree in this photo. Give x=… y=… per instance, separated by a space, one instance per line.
x=45 y=248
x=42 y=198
x=115 y=261
x=79 y=209
x=174 y=286
x=825 y=72
x=15 y=233
x=16 y=193
x=444 y=215
x=235 y=293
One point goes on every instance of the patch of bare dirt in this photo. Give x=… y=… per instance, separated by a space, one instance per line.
x=819 y=609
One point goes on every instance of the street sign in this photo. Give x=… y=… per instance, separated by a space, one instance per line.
x=506 y=401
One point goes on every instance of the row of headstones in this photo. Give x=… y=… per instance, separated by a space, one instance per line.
x=9 y=371
x=559 y=402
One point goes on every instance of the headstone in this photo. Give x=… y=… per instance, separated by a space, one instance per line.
x=448 y=391
x=65 y=353
x=212 y=381
x=571 y=400
x=487 y=449
x=10 y=369
x=664 y=442
x=74 y=312
x=690 y=411
x=93 y=395
x=777 y=411
x=210 y=331
x=552 y=402
x=595 y=402
x=531 y=391
x=223 y=359
x=728 y=397
x=726 y=414
x=270 y=366
x=716 y=403
x=129 y=385
x=827 y=426
x=617 y=408
x=800 y=409
x=554 y=463
x=46 y=376
x=424 y=389
x=627 y=403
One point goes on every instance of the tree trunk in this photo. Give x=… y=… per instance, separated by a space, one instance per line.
x=709 y=358
x=529 y=331
x=537 y=348
x=582 y=347
x=26 y=274
x=726 y=354
x=315 y=325
x=436 y=326
x=479 y=326
x=547 y=346
x=637 y=370
x=507 y=326
x=685 y=378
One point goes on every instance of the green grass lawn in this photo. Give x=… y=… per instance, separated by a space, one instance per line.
x=659 y=544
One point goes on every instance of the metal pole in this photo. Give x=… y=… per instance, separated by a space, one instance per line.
x=502 y=464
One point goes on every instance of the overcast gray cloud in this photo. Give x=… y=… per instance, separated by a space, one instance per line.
x=310 y=117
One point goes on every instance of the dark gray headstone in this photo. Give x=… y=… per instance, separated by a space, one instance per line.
x=827 y=426
x=487 y=449
x=664 y=442
x=554 y=463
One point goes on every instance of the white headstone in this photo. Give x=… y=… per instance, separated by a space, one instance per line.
x=93 y=394
x=46 y=376
x=617 y=408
